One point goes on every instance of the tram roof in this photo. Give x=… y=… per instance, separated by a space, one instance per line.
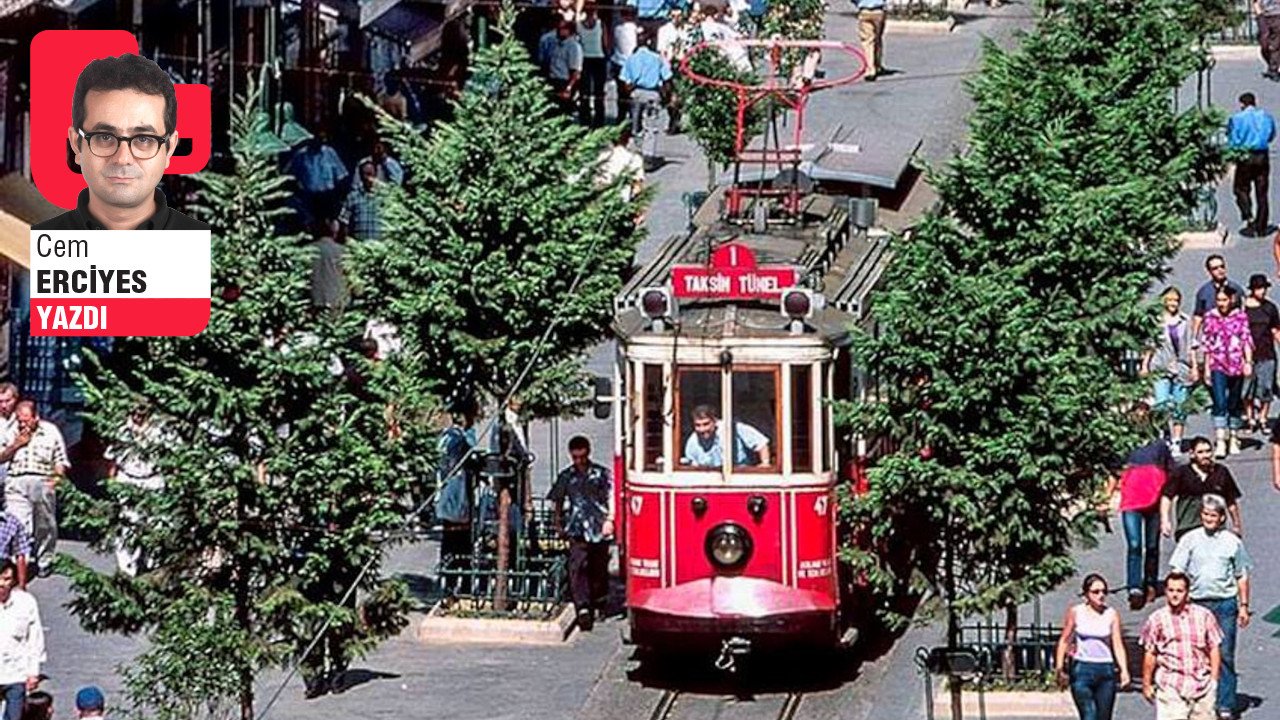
x=842 y=265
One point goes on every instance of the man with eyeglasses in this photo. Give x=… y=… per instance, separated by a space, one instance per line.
x=123 y=131
x=1216 y=266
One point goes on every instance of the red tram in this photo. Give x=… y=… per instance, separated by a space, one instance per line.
x=730 y=345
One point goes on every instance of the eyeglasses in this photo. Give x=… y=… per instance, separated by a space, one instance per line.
x=1217 y=267
x=105 y=144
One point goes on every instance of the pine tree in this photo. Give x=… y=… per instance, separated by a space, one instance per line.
x=501 y=213
x=1008 y=314
x=278 y=472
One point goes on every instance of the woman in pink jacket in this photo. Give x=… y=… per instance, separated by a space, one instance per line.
x=1226 y=347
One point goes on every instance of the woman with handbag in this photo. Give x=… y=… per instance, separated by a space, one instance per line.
x=1091 y=632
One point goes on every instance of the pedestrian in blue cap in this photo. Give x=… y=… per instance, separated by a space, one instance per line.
x=90 y=702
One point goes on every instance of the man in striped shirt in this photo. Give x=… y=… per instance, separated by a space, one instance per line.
x=1182 y=660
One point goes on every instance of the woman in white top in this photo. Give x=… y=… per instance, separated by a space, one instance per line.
x=1091 y=631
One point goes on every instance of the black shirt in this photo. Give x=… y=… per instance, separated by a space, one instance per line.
x=1262 y=320
x=165 y=218
x=1185 y=485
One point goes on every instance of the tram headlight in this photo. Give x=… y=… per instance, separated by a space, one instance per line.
x=657 y=303
x=728 y=546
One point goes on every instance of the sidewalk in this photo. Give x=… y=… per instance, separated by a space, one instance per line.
x=1258 y=645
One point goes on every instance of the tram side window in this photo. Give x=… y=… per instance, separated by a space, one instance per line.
x=653 y=417
x=801 y=419
x=755 y=418
x=699 y=405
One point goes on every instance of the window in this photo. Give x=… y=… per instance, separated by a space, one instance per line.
x=653 y=420
x=755 y=418
x=801 y=418
x=698 y=401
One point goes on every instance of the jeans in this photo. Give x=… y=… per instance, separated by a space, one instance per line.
x=591 y=95
x=15 y=698
x=1227 y=406
x=1171 y=397
x=1225 y=609
x=646 y=110
x=1142 y=533
x=1093 y=688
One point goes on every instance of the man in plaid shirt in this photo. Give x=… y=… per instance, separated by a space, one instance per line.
x=361 y=213
x=37 y=459
x=1182 y=655
x=15 y=545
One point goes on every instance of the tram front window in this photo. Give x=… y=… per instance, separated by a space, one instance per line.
x=755 y=418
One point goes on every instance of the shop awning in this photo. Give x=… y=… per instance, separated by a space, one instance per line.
x=416 y=21
x=21 y=205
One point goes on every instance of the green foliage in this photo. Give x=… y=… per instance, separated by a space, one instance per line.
x=1007 y=315
x=708 y=111
x=793 y=20
x=278 y=472
x=483 y=243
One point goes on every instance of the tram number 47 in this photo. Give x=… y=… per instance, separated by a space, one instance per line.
x=815 y=568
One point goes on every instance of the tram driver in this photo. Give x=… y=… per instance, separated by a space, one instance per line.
x=702 y=449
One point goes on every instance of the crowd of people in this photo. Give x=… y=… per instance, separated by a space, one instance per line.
x=1227 y=343
x=33 y=462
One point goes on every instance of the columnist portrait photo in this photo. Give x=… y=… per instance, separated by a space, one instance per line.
x=123 y=132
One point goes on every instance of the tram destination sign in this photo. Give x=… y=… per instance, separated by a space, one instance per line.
x=732 y=274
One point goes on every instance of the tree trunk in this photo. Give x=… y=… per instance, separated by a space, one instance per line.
x=953 y=622
x=1008 y=661
x=244 y=616
x=504 y=548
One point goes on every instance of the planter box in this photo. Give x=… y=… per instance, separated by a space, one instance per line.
x=1203 y=239
x=897 y=26
x=439 y=627
x=1019 y=704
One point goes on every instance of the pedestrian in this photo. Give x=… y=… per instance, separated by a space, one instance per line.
x=1218 y=564
x=1267 y=13
x=564 y=66
x=1206 y=294
x=1264 y=328
x=1188 y=483
x=39 y=706
x=1172 y=367
x=588 y=488
x=672 y=40
x=91 y=703
x=328 y=278
x=1250 y=132
x=15 y=545
x=1226 y=346
x=595 y=39
x=132 y=466
x=456 y=480
x=321 y=176
x=1181 y=658
x=625 y=41
x=8 y=419
x=21 y=642
x=620 y=162
x=1145 y=472
x=646 y=78
x=871 y=17
x=386 y=168
x=361 y=214
x=37 y=459
x=1092 y=631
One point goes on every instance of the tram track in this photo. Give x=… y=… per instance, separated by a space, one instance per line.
x=670 y=707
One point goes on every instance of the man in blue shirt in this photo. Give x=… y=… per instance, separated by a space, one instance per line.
x=645 y=76
x=1251 y=131
x=702 y=449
